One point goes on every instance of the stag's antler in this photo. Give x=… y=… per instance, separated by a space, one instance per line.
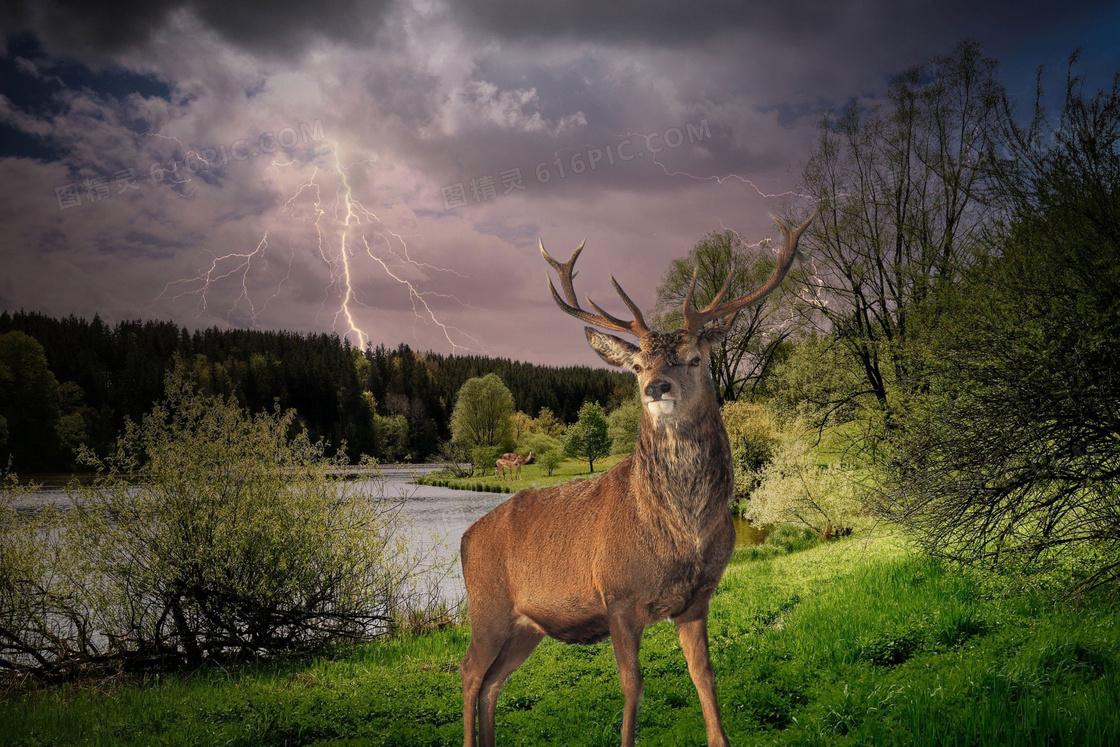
x=602 y=319
x=695 y=319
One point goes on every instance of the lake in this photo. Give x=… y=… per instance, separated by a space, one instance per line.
x=436 y=517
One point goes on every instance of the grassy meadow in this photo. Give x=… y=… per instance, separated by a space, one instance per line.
x=855 y=641
x=532 y=476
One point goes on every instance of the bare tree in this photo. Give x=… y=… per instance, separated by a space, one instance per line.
x=903 y=194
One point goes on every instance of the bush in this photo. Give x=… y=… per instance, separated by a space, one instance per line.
x=34 y=613
x=484 y=460
x=211 y=534
x=454 y=455
x=549 y=452
x=890 y=648
x=752 y=430
x=793 y=488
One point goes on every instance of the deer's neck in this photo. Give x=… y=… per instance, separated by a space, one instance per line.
x=683 y=471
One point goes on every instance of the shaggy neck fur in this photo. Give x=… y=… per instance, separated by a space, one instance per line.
x=683 y=471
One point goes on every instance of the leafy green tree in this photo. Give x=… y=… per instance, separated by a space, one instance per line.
x=28 y=402
x=820 y=381
x=482 y=414
x=740 y=363
x=72 y=428
x=589 y=438
x=1012 y=449
x=391 y=434
x=388 y=433
x=547 y=423
x=520 y=424
x=623 y=425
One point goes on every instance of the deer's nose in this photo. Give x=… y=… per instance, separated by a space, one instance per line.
x=657 y=387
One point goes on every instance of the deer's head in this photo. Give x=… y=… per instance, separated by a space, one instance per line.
x=673 y=376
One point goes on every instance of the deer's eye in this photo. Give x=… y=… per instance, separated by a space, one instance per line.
x=637 y=368
x=695 y=361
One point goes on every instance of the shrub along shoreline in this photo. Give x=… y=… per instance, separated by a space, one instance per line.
x=853 y=641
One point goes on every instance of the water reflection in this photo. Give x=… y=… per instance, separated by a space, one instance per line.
x=745 y=534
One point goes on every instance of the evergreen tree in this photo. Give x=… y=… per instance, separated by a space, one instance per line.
x=28 y=403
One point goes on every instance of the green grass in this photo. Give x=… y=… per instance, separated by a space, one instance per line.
x=532 y=476
x=858 y=641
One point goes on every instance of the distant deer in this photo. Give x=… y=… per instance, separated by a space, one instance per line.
x=501 y=466
x=645 y=541
x=512 y=460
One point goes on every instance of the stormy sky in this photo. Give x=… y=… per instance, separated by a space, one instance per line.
x=384 y=168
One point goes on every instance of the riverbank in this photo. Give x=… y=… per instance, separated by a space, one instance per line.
x=532 y=476
x=857 y=641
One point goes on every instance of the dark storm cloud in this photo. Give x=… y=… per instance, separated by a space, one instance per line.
x=268 y=28
x=420 y=95
x=671 y=22
x=661 y=21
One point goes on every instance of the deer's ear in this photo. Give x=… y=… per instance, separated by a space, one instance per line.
x=614 y=350
x=716 y=333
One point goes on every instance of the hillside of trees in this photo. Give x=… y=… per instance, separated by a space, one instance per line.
x=386 y=403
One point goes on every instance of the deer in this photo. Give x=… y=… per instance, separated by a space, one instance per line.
x=510 y=461
x=647 y=540
x=502 y=465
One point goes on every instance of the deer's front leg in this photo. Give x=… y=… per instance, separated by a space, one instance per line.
x=692 y=630
x=626 y=637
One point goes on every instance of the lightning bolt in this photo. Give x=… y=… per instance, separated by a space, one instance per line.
x=695 y=177
x=347 y=237
x=173 y=163
x=347 y=198
x=715 y=178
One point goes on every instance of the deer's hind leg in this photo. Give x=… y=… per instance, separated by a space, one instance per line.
x=491 y=629
x=626 y=638
x=481 y=653
x=520 y=643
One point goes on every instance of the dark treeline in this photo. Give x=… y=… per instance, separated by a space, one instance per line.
x=386 y=403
